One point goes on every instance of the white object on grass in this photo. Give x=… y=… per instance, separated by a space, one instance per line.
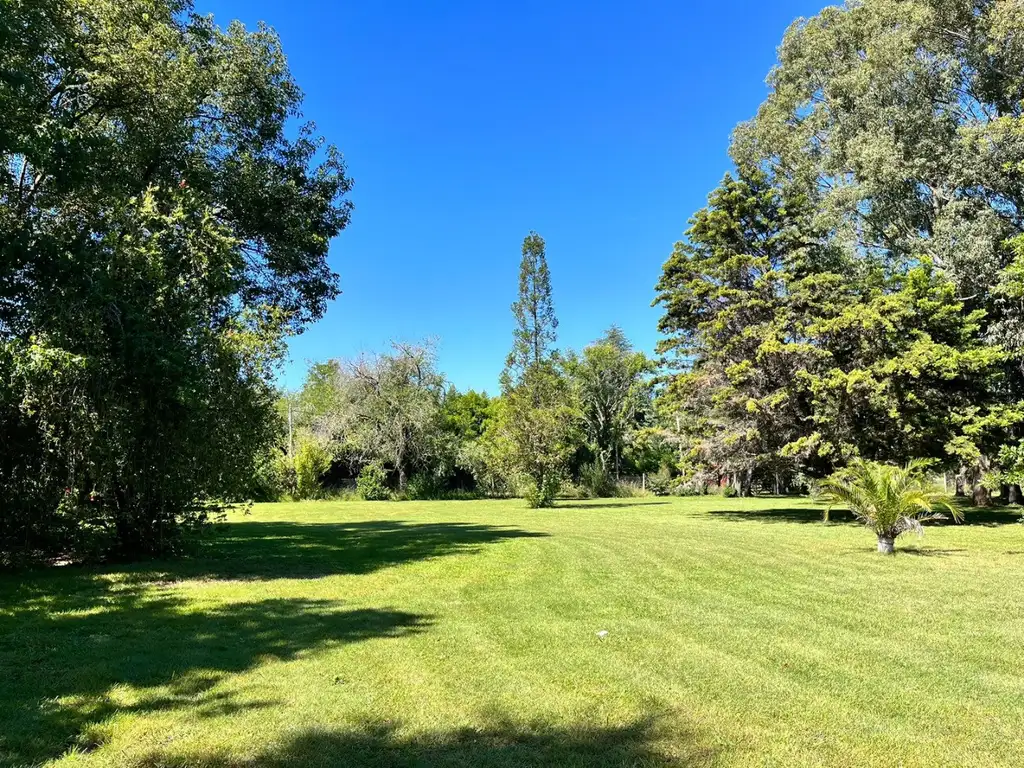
x=603 y=634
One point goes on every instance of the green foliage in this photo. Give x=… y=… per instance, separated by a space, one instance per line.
x=542 y=493
x=889 y=500
x=853 y=289
x=659 y=485
x=160 y=236
x=534 y=432
x=465 y=414
x=274 y=476
x=372 y=483
x=597 y=481
x=531 y=435
x=424 y=486
x=384 y=408
x=612 y=387
x=1011 y=458
x=312 y=461
x=534 y=311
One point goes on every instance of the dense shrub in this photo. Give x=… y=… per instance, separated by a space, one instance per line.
x=597 y=481
x=681 y=487
x=372 y=484
x=543 y=495
x=311 y=463
x=424 y=486
x=274 y=476
x=660 y=484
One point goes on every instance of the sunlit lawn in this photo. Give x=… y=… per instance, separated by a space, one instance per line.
x=740 y=633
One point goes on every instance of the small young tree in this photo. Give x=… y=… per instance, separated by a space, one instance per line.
x=532 y=436
x=889 y=500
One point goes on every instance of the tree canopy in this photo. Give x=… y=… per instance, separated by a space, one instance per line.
x=849 y=290
x=161 y=233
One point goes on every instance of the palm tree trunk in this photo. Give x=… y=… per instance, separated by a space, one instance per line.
x=886 y=544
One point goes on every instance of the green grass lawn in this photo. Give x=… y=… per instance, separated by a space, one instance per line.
x=740 y=633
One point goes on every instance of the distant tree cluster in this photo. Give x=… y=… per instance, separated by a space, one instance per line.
x=393 y=424
x=855 y=290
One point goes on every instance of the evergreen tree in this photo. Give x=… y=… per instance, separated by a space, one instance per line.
x=531 y=433
x=799 y=350
x=903 y=119
x=534 y=311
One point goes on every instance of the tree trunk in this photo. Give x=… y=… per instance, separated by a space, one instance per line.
x=1013 y=496
x=960 y=485
x=981 y=498
x=746 y=481
x=886 y=544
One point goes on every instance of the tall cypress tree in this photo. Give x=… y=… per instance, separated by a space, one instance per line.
x=534 y=425
x=536 y=324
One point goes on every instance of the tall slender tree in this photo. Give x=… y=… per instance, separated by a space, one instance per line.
x=531 y=432
x=536 y=324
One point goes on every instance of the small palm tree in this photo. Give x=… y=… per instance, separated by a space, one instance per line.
x=889 y=500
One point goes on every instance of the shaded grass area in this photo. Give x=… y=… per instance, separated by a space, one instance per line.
x=504 y=744
x=973 y=516
x=465 y=634
x=70 y=635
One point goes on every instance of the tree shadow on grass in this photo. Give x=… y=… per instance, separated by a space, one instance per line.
x=989 y=517
x=74 y=640
x=503 y=745
x=603 y=504
x=69 y=655
x=928 y=551
x=286 y=550
x=782 y=515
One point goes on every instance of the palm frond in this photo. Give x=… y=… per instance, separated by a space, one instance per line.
x=888 y=499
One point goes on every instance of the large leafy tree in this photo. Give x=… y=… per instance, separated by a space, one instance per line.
x=905 y=120
x=161 y=233
x=387 y=408
x=850 y=292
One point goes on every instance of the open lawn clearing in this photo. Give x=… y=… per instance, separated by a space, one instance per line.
x=740 y=633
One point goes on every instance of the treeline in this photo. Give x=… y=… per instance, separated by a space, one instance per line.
x=854 y=290
x=390 y=426
x=856 y=287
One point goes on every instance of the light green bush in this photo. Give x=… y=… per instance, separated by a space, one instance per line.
x=311 y=463
x=372 y=483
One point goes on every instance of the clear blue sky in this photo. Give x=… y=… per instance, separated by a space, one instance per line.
x=466 y=124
